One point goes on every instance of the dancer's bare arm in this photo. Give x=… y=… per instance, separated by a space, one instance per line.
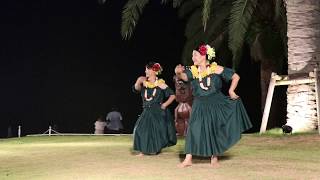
x=139 y=83
x=168 y=102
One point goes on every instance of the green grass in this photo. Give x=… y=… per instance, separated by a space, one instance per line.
x=111 y=157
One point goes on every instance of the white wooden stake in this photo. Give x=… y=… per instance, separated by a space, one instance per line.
x=50 y=130
x=19 y=131
x=268 y=103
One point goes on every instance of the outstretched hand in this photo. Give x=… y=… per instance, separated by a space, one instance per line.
x=179 y=69
x=141 y=79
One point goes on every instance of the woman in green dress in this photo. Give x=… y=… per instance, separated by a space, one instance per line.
x=154 y=129
x=216 y=121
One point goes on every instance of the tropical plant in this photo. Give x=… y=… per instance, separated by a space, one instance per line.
x=228 y=25
x=215 y=22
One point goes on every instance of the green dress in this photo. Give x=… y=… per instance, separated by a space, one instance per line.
x=216 y=121
x=155 y=128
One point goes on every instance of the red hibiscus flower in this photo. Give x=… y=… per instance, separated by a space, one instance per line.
x=203 y=50
x=156 y=67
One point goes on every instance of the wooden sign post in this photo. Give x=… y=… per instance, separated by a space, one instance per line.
x=277 y=80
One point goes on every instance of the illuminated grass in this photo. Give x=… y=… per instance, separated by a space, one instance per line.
x=111 y=157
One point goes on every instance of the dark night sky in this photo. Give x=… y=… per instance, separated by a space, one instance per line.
x=65 y=63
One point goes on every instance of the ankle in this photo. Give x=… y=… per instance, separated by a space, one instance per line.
x=214 y=159
x=188 y=158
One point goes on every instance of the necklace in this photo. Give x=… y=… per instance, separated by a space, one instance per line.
x=146 y=94
x=196 y=73
x=151 y=85
x=202 y=86
x=210 y=70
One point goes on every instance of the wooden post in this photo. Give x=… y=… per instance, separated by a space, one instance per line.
x=19 y=131
x=295 y=81
x=317 y=96
x=268 y=103
x=277 y=80
x=50 y=130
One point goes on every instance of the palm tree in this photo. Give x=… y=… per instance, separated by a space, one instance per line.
x=247 y=24
x=225 y=23
x=206 y=19
x=303 y=56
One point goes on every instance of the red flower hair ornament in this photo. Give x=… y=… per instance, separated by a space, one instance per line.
x=203 y=50
x=157 y=68
x=206 y=49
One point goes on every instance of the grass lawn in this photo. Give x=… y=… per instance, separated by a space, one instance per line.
x=111 y=157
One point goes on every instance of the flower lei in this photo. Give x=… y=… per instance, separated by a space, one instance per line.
x=151 y=85
x=209 y=70
x=207 y=50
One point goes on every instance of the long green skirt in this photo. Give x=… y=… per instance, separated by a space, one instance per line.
x=154 y=130
x=216 y=123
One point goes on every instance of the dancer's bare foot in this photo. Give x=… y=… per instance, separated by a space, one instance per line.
x=215 y=165
x=184 y=164
x=140 y=155
x=214 y=162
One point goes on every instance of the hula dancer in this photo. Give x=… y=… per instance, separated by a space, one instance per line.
x=216 y=121
x=155 y=128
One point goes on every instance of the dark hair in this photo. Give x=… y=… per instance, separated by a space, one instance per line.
x=150 y=64
x=197 y=45
x=100 y=118
x=155 y=67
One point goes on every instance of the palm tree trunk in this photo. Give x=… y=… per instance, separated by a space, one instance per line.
x=303 y=18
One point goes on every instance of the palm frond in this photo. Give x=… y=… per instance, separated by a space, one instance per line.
x=218 y=20
x=130 y=16
x=206 y=13
x=177 y=3
x=101 y=1
x=254 y=41
x=214 y=34
x=164 y=1
x=217 y=33
x=240 y=18
x=193 y=24
x=188 y=7
x=281 y=19
x=279 y=9
x=223 y=53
